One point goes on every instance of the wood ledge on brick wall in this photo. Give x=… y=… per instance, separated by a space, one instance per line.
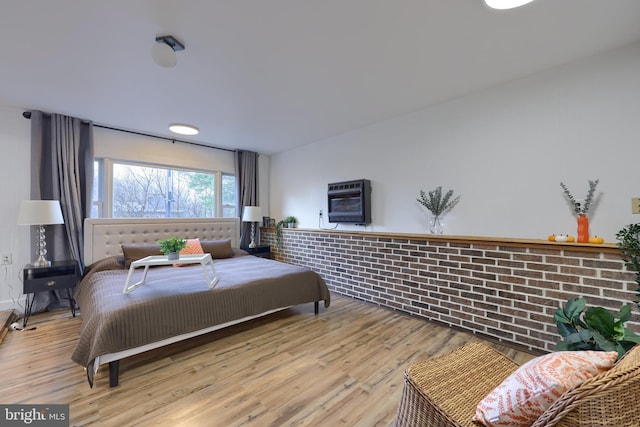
x=501 y=241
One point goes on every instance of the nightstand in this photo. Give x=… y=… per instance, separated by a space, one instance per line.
x=58 y=276
x=262 y=251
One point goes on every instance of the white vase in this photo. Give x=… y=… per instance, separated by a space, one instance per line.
x=173 y=256
x=436 y=227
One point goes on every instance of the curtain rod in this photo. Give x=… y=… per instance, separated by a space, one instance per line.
x=27 y=115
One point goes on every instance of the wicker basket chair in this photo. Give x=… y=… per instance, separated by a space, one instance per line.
x=445 y=391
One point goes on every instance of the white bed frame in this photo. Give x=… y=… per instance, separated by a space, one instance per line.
x=103 y=238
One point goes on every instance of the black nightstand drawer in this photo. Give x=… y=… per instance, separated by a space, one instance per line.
x=59 y=275
x=50 y=283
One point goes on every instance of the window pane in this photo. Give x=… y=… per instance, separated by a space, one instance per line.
x=96 y=189
x=193 y=195
x=149 y=192
x=229 y=196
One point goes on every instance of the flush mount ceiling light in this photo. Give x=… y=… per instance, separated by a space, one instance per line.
x=506 y=4
x=183 y=129
x=164 y=51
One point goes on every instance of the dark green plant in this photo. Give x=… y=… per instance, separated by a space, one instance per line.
x=593 y=328
x=436 y=203
x=172 y=244
x=283 y=223
x=279 y=225
x=291 y=220
x=629 y=245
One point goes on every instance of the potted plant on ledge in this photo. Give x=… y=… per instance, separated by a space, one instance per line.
x=172 y=246
x=291 y=221
x=438 y=205
x=288 y=222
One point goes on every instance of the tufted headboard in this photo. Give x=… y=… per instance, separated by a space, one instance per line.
x=103 y=236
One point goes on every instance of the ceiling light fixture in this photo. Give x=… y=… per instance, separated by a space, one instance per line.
x=183 y=129
x=506 y=4
x=164 y=51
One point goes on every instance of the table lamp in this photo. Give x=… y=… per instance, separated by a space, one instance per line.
x=40 y=213
x=252 y=214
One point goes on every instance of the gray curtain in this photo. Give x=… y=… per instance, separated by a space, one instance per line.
x=247 y=182
x=61 y=169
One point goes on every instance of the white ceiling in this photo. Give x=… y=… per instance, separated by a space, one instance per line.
x=270 y=75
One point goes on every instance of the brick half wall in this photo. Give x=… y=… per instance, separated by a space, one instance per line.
x=501 y=289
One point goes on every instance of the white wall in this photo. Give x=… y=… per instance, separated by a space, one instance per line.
x=127 y=146
x=14 y=182
x=505 y=150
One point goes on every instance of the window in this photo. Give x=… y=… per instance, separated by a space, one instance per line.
x=229 y=196
x=135 y=190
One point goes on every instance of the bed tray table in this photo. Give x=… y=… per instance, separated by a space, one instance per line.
x=155 y=260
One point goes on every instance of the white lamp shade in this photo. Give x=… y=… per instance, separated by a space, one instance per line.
x=252 y=214
x=40 y=212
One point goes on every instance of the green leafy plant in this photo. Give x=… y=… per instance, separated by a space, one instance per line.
x=172 y=244
x=436 y=203
x=629 y=244
x=291 y=220
x=593 y=328
x=284 y=223
x=578 y=208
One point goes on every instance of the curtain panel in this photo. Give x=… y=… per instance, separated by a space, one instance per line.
x=62 y=169
x=247 y=182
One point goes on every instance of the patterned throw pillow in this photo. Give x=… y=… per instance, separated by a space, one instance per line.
x=524 y=396
x=193 y=248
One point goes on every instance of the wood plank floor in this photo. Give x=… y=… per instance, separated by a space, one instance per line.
x=342 y=367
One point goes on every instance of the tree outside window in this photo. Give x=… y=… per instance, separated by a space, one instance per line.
x=141 y=191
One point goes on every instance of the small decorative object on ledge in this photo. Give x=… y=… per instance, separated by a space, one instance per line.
x=172 y=246
x=438 y=205
x=291 y=221
x=582 y=209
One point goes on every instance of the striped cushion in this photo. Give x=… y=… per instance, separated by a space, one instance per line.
x=524 y=396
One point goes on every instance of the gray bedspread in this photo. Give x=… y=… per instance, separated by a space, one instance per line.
x=177 y=300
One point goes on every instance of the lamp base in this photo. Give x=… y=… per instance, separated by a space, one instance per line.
x=253 y=236
x=41 y=262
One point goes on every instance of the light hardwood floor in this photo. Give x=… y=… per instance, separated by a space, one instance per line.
x=342 y=367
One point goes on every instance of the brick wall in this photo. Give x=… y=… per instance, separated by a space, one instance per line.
x=505 y=290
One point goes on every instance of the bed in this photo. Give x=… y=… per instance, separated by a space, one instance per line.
x=175 y=304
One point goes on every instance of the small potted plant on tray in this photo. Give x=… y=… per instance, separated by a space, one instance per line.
x=172 y=246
